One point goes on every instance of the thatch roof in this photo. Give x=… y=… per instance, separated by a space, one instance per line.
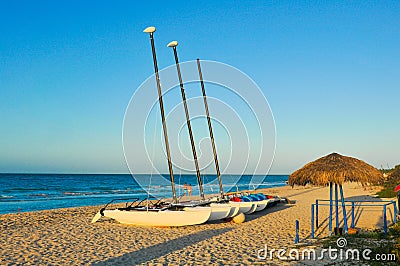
x=335 y=168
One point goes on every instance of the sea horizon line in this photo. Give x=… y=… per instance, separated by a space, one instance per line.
x=96 y=173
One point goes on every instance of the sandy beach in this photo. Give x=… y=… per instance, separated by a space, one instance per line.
x=66 y=236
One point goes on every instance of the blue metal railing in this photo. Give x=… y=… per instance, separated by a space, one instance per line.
x=353 y=204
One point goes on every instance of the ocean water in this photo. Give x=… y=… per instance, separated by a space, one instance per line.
x=33 y=192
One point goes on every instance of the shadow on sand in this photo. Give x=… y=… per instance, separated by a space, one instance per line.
x=146 y=254
x=389 y=209
x=256 y=215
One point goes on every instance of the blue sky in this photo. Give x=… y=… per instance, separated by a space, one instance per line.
x=69 y=68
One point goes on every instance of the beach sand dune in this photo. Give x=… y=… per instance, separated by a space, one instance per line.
x=66 y=236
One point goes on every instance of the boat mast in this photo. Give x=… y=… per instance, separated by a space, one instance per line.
x=173 y=44
x=221 y=189
x=151 y=30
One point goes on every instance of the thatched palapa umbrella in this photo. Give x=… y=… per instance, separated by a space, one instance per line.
x=336 y=169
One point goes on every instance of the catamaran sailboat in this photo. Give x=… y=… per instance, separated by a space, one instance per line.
x=220 y=209
x=191 y=212
x=169 y=214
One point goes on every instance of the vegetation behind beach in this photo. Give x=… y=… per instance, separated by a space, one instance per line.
x=391 y=182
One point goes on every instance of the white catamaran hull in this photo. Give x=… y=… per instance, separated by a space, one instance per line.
x=234 y=210
x=252 y=208
x=261 y=205
x=244 y=207
x=188 y=216
x=219 y=211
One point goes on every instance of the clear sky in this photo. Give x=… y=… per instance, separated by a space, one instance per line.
x=330 y=71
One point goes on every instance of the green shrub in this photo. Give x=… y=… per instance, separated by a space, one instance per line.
x=394 y=230
x=389 y=185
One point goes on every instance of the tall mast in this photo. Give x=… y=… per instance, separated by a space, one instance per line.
x=173 y=44
x=151 y=31
x=221 y=189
